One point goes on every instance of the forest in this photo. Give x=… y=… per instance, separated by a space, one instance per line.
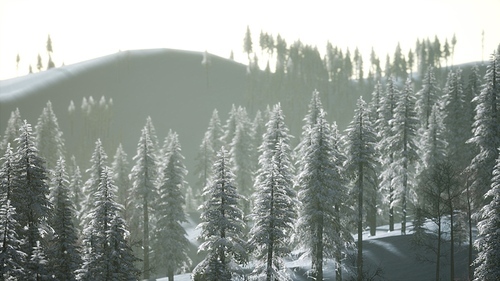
x=276 y=179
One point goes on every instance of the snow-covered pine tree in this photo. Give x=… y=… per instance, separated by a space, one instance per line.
x=63 y=252
x=377 y=120
x=210 y=144
x=230 y=126
x=486 y=131
x=387 y=157
x=11 y=131
x=38 y=264
x=222 y=226
x=12 y=258
x=275 y=210
x=170 y=242
x=76 y=186
x=98 y=161
x=121 y=172
x=311 y=118
x=48 y=136
x=321 y=191
x=241 y=157
x=403 y=143
x=455 y=120
x=143 y=177
x=30 y=194
x=107 y=256
x=258 y=130
x=488 y=240
x=361 y=167
x=426 y=97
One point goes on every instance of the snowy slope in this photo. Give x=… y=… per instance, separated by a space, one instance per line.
x=169 y=85
x=390 y=251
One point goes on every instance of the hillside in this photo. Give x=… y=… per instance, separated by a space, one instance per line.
x=170 y=86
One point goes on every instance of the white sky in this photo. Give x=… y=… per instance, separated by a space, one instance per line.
x=82 y=30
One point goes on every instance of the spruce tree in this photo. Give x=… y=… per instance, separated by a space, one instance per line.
x=12 y=258
x=275 y=211
x=63 y=251
x=30 y=196
x=107 y=256
x=321 y=191
x=76 y=186
x=488 y=241
x=143 y=177
x=486 y=130
x=403 y=143
x=388 y=109
x=170 y=241
x=426 y=97
x=222 y=226
x=361 y=167
x=121 y=172
x=49 y=140
x=11 y=131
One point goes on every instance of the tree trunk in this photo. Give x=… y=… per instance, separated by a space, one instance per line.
x=270 y=248
x=452 y=238
x=372 y=216
x=469 y=218
x=170 y=274
x=145 y=235
x=360 y=223
x=338 y=250
x=319 y=250
x=438 y=252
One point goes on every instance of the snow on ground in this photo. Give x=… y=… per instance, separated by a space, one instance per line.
x=387 y=250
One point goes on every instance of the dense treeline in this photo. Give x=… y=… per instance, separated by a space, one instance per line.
x=422 y=155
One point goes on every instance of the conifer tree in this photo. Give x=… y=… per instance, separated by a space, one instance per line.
x=30 y=196
x=321 y=191
x=222 y=226
x=455 y=120
x=388 y=108
x=121 y=171
x=76 y=186
x=403 y=143
x=107 y=256
x=98 y=160
x=170 y=242
x=11 y=131
x=247 y=43
x=143 y=177
x=486 y=130
x=12 y=258
x=275 y=211
x=211 y=143
x=241 y=157
x=361 y=166
x=426 y=97
x=49 y=140
x=63 y=251
x=488 y=240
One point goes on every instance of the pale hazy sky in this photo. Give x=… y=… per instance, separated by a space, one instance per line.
x=82 y=30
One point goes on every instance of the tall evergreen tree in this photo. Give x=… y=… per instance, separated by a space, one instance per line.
x=170 y=242
x=11 y=131
x=486 y=130
x=455 y=120
x=210 y=144
x=488 y=240
x=30 y=195
x=361 y=166
x=403 y=143
x=76 y=186
x=275 y=212
x=63 y=251
x=121 y=172
x=143 y=177
x=426 y=97
x=321 y=191
x=12 y=258
x=49 y=140
x=106 y=253
x=98 y=160
x=388 y=109
x=222 y=226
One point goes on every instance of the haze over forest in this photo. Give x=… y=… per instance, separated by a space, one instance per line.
x=285 y=165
